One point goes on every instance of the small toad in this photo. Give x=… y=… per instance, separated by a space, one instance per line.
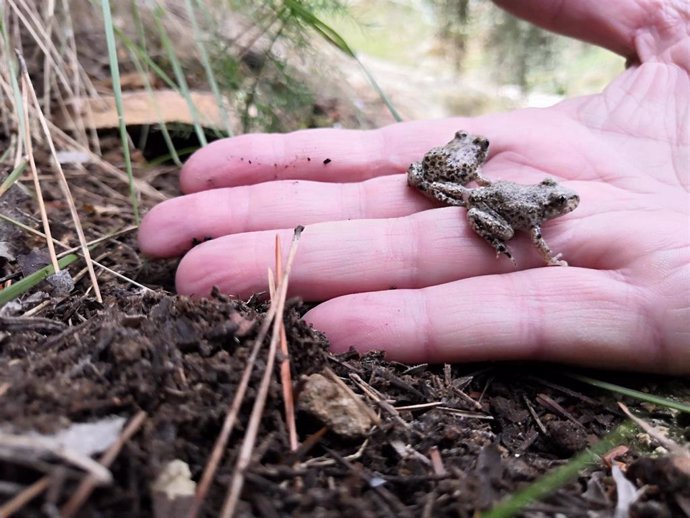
x=456 y=163
x=495 y=210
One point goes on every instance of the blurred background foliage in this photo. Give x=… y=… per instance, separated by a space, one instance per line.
x=282 y=65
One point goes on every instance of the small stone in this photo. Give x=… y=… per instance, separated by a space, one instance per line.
x=335 y=406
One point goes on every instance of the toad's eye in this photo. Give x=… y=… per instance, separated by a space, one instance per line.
x=461 y=134
x=562 y=199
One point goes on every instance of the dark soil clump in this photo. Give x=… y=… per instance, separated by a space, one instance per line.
x=451 y=441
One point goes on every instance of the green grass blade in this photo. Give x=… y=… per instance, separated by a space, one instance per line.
x=386 y=100
x=144 y=57
x=28 y=282
x=117 y=92
x=6 y=153
x=162 y=159
x=179 y=75
x=143 y=72
x=210 y=76
x=642 y=396
x=332 y=36
x=13 y=69
x=16 y=173
x=560 y=476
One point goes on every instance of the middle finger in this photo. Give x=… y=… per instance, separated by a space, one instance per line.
x=337 y=258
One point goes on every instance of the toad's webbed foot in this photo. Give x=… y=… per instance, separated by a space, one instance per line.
x=502 y=249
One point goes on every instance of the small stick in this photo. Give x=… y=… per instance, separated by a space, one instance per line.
x=20 y=500
x=437 y=461
x=655 y=433
x=88 y=483
x=244 y=457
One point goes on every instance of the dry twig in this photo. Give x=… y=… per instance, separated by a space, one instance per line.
x=20 y=500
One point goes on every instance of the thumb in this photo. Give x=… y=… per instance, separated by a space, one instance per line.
x=617 y=25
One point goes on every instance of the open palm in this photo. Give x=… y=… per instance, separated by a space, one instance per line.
x=625 y=300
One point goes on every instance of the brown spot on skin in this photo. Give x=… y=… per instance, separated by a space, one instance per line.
x=308 y=159
x=327 y=161
x=196 y=241
x=249 y=161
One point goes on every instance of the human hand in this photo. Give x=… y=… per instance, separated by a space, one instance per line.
x=623 y=303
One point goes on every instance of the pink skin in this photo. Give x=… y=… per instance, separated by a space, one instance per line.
x=623 y=303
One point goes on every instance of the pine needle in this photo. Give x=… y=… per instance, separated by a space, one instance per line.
x=244 y=457
x=32 y=163
x=117 y=92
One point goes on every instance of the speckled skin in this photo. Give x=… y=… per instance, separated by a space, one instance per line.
x=456 y=163
x=495 y=210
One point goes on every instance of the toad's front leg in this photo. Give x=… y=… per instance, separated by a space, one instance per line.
x=493 y=228
x=544 y=250
x=416 y=178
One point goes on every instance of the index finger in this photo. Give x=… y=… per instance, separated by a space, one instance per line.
x=327 y=155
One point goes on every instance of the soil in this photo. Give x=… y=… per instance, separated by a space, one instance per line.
x=451 y=440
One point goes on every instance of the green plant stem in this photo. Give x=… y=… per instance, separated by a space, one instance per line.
x=16 y=173
x=117 y=92
x=179 y=75
x=28 y=282
x=210 y=76
x=332 y=36
x=642 y=396
x=560 y=476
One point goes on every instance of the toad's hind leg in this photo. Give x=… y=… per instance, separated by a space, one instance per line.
x=415 y=178
x=544 y=250
x=493 y=229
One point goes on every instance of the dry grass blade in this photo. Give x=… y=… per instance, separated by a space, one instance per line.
x=117 y=92
x=142 y=186
x=36 y=29
x=88 y=483
x=62 y=181
x=32 y=163
x=247 y=448
x=233 y=410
